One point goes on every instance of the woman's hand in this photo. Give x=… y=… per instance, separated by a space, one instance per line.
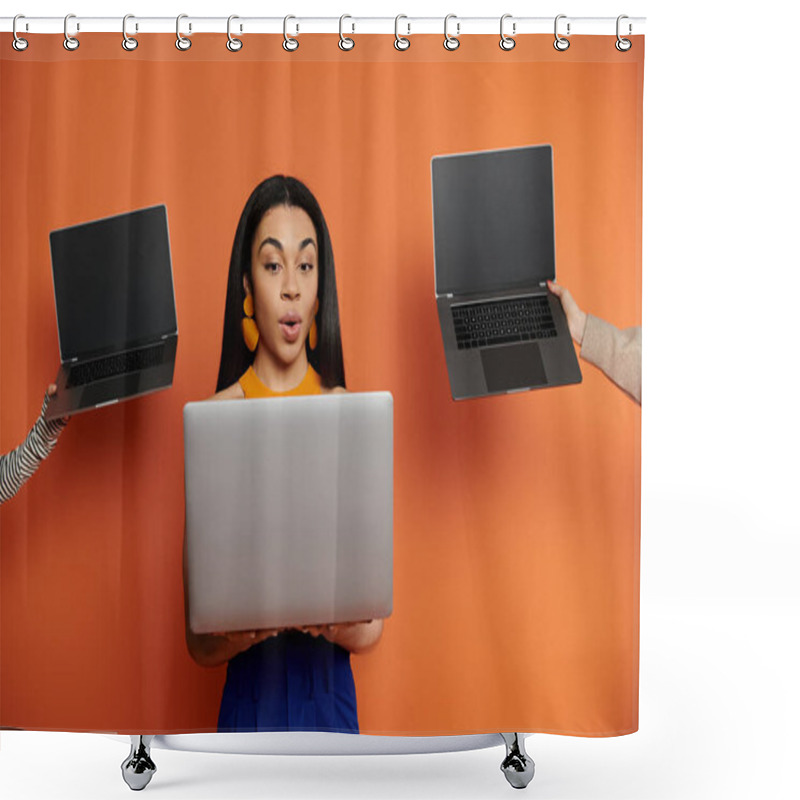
x=356 y=637
x=244 y=640
x=328 y=631
x=214 y=649
x=51 y=392
x=576 y=319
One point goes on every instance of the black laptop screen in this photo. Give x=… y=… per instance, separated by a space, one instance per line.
x=493 y=223
x=113 y=283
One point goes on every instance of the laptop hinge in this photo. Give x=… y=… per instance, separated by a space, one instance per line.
x=542 y=283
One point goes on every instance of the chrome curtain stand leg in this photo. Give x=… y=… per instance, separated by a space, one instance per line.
x=517 y=766
x=138 y=768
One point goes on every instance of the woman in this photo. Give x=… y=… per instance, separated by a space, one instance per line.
x=281 y=337
x=18 y=465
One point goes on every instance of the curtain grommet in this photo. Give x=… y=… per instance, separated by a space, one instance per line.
x=561 y=44
x=507 y=42
x=401 y=43
x=129 y=43
x=345 y=42
x=233 y=44
x=623 y=45
x=290 y=44
x=181 y=42
x=18 y=43
x=70 y=42
x=451 y=43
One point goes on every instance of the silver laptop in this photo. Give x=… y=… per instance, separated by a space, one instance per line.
x=115 y=304
x=494 y=250
x=289 y=509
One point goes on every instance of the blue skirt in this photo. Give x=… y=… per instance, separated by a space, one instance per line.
x=290 y=682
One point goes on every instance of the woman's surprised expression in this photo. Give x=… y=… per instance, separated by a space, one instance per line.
x=284 y=282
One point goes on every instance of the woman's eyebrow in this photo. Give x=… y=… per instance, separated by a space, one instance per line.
x=278 y=246
x=274 y=242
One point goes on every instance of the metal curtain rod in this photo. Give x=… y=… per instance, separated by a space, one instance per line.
x=407 y=26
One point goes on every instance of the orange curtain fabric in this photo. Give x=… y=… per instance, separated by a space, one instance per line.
x=516 y=601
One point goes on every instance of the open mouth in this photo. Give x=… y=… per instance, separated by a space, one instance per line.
x=290 y=326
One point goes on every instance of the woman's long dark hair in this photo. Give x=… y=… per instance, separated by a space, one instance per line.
x=326 y=358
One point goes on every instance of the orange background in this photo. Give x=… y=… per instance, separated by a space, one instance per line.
x=516 y=518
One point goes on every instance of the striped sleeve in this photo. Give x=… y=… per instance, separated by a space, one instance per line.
x=18 y=465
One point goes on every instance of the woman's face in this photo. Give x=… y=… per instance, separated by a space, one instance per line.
x=285 y=275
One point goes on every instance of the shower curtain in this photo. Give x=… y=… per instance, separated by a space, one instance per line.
x=516 y=517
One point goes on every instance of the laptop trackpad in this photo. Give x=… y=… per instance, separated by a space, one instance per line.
x=118 y=388
x=513 y=367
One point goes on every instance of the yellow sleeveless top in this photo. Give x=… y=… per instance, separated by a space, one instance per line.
x=252 y=385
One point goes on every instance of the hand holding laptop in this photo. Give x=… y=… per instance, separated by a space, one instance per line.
x=244 y=640
x=618 y=353
x=353 y=636
x=330 y=632
x=576 y=319
x=51 y=391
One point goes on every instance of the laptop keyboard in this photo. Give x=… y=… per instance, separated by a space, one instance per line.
x=118 y=364
x=520 y=319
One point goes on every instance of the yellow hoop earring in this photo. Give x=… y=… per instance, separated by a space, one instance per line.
x=312 y=333
x=249 y=327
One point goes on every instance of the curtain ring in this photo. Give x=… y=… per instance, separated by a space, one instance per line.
x=290 y=44
x=128 y=42
x=182 y=43
x=400 y=42
x=507 y=42
x=233 y=44
x=561 y=44
x=18 y=43
x=623 y=45
x=70 y=42
x=451 y=42
x=345 y=42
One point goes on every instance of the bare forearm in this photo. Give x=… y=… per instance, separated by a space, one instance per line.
x=358 y=638
x=210 y=650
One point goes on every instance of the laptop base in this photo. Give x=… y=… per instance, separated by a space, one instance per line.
x=77 y=399
x=508 y=368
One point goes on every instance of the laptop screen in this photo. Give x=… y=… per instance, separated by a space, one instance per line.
x=493 y=223
x=113 y=283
